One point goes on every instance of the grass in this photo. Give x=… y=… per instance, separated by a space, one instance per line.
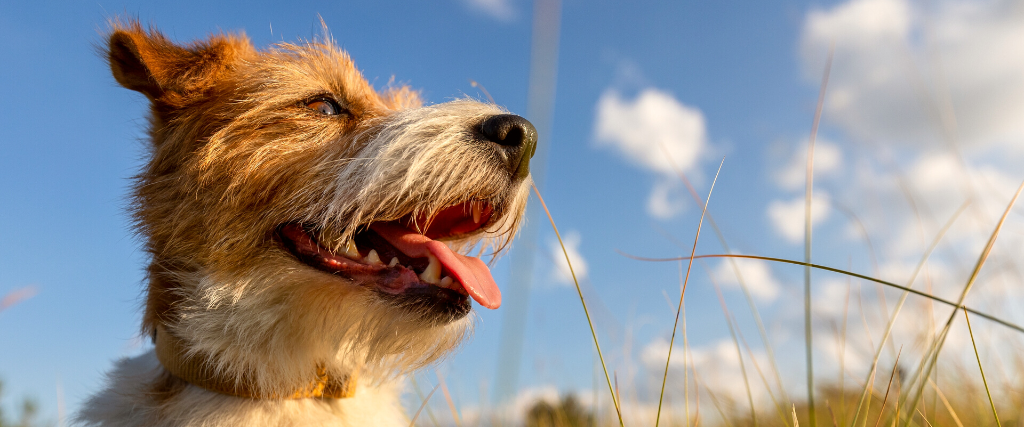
x=808 y=196
x=865 y=403
x=583 y=301
x=923 y=396
x=682 y=294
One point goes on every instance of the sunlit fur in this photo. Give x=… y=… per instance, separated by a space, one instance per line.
x=234 y=154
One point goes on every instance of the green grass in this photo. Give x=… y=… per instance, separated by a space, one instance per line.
x=928 y=396
x=855 y=406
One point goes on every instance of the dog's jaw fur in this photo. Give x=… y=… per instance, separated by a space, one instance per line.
x=235 y=155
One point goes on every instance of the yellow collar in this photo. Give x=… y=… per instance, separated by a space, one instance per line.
x=197 y=371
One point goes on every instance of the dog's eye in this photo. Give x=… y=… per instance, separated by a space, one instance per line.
x=324 y=106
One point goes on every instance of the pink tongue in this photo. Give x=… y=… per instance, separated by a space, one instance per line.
x=470 y=271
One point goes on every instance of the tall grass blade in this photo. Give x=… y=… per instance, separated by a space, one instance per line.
x=842 y=349
x=870 y=387
x=945 y=402
x=419 y=393
x=729 y=320
x=991 y=402
x=545 y=39
x=757 y=367
x=686 y=380
x=808 y=333
x=887 y=388
x=923 y=418
x=937 y=346
x=899 y=304
x=583 y=301
x=426 y=400
x=696 y=383
x=482 y=89
x=682 y=293
x=739 y=276
x=448 y=398
x=840 y=271
x=686 y=350
x=717 y=404
x=617 y=396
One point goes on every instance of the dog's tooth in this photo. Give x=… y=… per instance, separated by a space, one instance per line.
x=351 y=251
x=394 y=262
x=432 y=274
x=446 y=282
x=477 y=211
x=372 y=258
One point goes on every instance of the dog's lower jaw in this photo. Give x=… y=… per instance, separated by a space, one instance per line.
x=140 y=392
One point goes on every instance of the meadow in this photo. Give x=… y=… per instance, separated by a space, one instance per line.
x=855 y=259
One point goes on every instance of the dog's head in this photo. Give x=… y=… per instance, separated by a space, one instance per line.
x=297 y=217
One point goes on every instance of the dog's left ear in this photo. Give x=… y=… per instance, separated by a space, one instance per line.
x=148 y=62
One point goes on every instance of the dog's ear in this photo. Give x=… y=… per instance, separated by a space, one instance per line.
x=148 y=62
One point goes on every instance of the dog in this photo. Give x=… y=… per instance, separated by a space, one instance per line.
x=312 y=239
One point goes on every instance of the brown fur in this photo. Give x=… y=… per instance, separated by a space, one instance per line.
x=235 y=154
x=196 y=164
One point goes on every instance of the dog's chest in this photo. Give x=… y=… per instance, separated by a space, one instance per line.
x=129 y=400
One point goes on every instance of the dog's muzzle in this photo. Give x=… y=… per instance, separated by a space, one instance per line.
x=517 y=138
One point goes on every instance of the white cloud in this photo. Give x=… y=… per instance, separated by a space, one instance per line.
x=874 y=20
x=655 y=132
x=904 y=72
x=501 y=10
x=717 y=363
x=788 y=216
x=561 y=273
x=664 y=201
x=828 y=160
x=830 y=296
x=757 y=276
x=905 y=213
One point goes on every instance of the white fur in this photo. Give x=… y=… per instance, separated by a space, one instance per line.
x=120 y=405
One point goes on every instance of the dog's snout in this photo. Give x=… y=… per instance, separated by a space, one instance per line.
x=510 y=130
x=517 y=135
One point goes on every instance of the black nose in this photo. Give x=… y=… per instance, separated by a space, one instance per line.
x=517 y=135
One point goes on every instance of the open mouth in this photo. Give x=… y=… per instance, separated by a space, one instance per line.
x=404 y=257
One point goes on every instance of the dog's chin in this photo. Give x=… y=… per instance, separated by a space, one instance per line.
x=430 y=304
x=396 y=282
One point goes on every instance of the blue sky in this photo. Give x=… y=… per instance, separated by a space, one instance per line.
x=925 y=109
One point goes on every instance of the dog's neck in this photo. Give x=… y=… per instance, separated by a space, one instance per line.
x=196 y=370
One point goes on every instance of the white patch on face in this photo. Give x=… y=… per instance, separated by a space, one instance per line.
x=422 y=160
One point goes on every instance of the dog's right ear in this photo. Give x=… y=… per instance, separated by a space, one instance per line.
x=148 y=62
